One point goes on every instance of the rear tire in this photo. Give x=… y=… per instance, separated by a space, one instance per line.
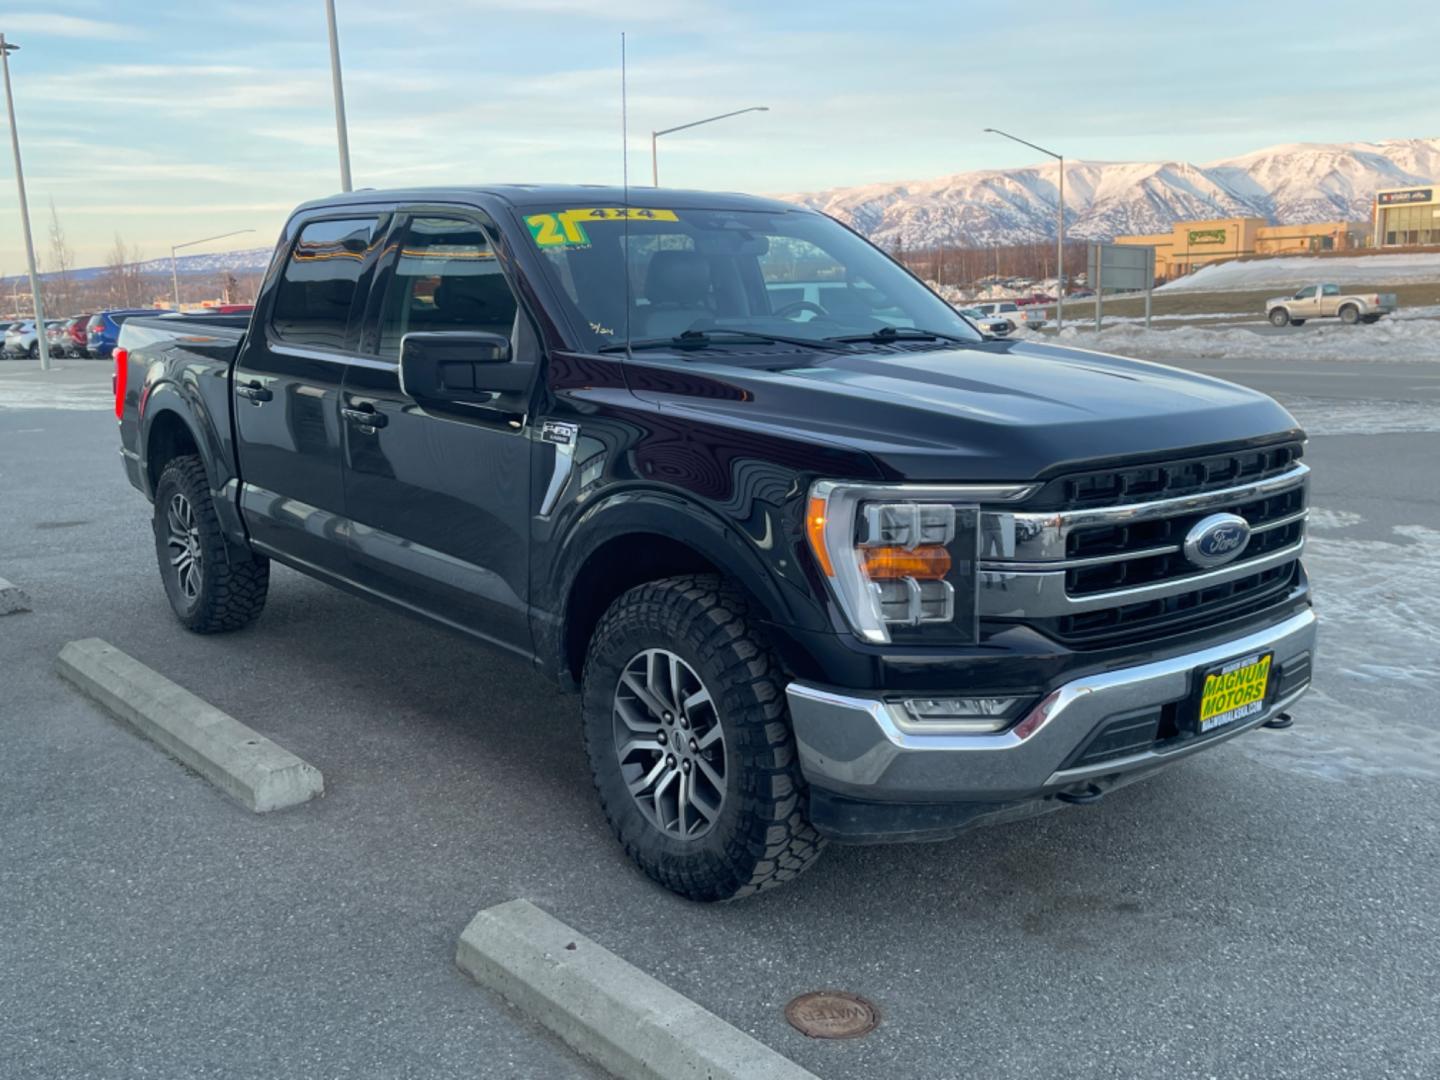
x=1279 y=317
x=688 y=642
x=213 y=585
x=34 y=352
x=1349 y=314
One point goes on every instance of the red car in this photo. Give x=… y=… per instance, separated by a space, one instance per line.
x=75 y=328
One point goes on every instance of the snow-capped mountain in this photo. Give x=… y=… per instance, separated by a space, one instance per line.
x=1290 y=184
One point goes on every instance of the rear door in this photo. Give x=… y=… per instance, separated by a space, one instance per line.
x=1329 y=299
x=286 y=390
x=440 y=506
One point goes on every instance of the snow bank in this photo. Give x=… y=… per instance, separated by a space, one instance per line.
x=1289 y=273
x=1389 y=339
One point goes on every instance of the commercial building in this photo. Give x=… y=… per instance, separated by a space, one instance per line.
x=1189 y=245
x=1407 y=216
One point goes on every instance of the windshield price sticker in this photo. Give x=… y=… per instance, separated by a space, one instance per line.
x=566 y=228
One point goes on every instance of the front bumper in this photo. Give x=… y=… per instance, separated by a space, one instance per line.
x=872 y=781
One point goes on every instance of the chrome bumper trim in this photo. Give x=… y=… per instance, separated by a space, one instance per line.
x=852 y=745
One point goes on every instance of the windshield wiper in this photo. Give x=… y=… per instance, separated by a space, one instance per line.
x=887 y=334
x=702 y=339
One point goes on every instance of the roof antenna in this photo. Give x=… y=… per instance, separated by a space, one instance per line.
x=625 y=193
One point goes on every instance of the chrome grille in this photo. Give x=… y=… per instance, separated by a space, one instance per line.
x=1096 y=574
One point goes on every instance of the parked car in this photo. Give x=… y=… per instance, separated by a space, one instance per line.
x=1326 y=301
x=1012 y=312
x=856 y=573
x=57 y=337
x=1035 y=298
x=103 y=330
x=21 y=340
x=76 y=328
x=988 y=324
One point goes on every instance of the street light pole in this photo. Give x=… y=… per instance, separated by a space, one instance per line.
x=342 y=133
x=174 y=269
x=655 y=136
x=5 y=50
x=1060 y=227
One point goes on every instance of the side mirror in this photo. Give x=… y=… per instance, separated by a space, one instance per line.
x=462 y=367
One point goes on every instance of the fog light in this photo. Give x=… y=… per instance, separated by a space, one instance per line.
x=960 y=716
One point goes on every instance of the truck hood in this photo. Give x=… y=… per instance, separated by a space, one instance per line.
x=995 y=410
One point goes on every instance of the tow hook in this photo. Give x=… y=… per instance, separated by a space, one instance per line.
x=1090 y=793
x=1279 y=722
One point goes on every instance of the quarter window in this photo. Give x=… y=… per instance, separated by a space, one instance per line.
x=446 y=278
x=317 y=289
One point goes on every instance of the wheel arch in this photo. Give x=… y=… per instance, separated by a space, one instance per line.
x=643 y=537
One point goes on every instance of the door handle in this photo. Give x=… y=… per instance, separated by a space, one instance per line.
x=366 y=416
x=255 y=392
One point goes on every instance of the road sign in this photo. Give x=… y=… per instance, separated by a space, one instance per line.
x=1121 y=268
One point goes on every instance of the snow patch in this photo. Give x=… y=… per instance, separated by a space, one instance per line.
x=1288 y=273
x=1389 y=339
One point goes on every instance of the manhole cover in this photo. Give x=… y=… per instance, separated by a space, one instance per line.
x=832 y=1014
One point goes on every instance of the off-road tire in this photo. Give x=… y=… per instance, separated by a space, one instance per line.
x=1279 y=317
x=1349 y=314
x=233 y=581
x=761 y=837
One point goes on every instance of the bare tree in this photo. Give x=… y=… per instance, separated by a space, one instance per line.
x=62 y=259
x=123 y=279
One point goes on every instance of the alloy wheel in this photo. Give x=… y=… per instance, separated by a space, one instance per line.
x=670 y=744
x=186 y=555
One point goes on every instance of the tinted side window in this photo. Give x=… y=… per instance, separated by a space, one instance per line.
x=312 y=301
x=446 y=278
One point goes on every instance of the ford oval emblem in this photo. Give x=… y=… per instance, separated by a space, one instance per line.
x=1217 y=539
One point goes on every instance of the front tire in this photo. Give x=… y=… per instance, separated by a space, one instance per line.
x=689 y=743
x=1279 y=317
x=213 y=585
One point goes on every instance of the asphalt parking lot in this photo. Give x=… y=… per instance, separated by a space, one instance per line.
x=1267 y=909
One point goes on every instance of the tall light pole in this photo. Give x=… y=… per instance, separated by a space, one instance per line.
x=342 y=133
x=1060 y=232
x=655 y=135
x=174 y=271
x=5 y=50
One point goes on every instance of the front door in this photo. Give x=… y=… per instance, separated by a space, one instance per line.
x=1306 y=303
x=439 y=506
x=287 y=393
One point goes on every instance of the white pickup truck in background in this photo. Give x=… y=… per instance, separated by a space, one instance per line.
x=1013 y=313
x=1328 y=302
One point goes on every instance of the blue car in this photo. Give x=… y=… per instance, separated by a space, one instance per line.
x=104 y=329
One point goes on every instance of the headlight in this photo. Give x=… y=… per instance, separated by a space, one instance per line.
x=901 y=558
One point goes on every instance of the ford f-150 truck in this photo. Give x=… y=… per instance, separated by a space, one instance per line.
x=821 y=561
x=1328 y=302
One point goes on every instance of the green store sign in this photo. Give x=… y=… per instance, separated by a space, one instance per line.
x=1207 y=236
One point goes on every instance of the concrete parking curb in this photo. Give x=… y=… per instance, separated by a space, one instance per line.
x=248 y=767
x=608 y=1010
x=12 y=598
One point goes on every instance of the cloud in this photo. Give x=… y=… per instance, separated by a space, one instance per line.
x=68 y=26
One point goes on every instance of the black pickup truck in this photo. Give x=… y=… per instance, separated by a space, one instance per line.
x=821 y=560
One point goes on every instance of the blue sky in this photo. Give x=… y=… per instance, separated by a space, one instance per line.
x=166 y=121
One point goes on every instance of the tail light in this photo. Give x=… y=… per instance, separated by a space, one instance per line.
x=122 y=370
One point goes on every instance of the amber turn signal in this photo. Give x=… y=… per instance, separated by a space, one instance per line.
x=815 y=530
x=929 y=562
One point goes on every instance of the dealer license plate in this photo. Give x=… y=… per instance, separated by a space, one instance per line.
x=1234 y=691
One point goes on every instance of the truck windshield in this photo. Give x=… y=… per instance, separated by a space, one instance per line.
x=793 y=275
